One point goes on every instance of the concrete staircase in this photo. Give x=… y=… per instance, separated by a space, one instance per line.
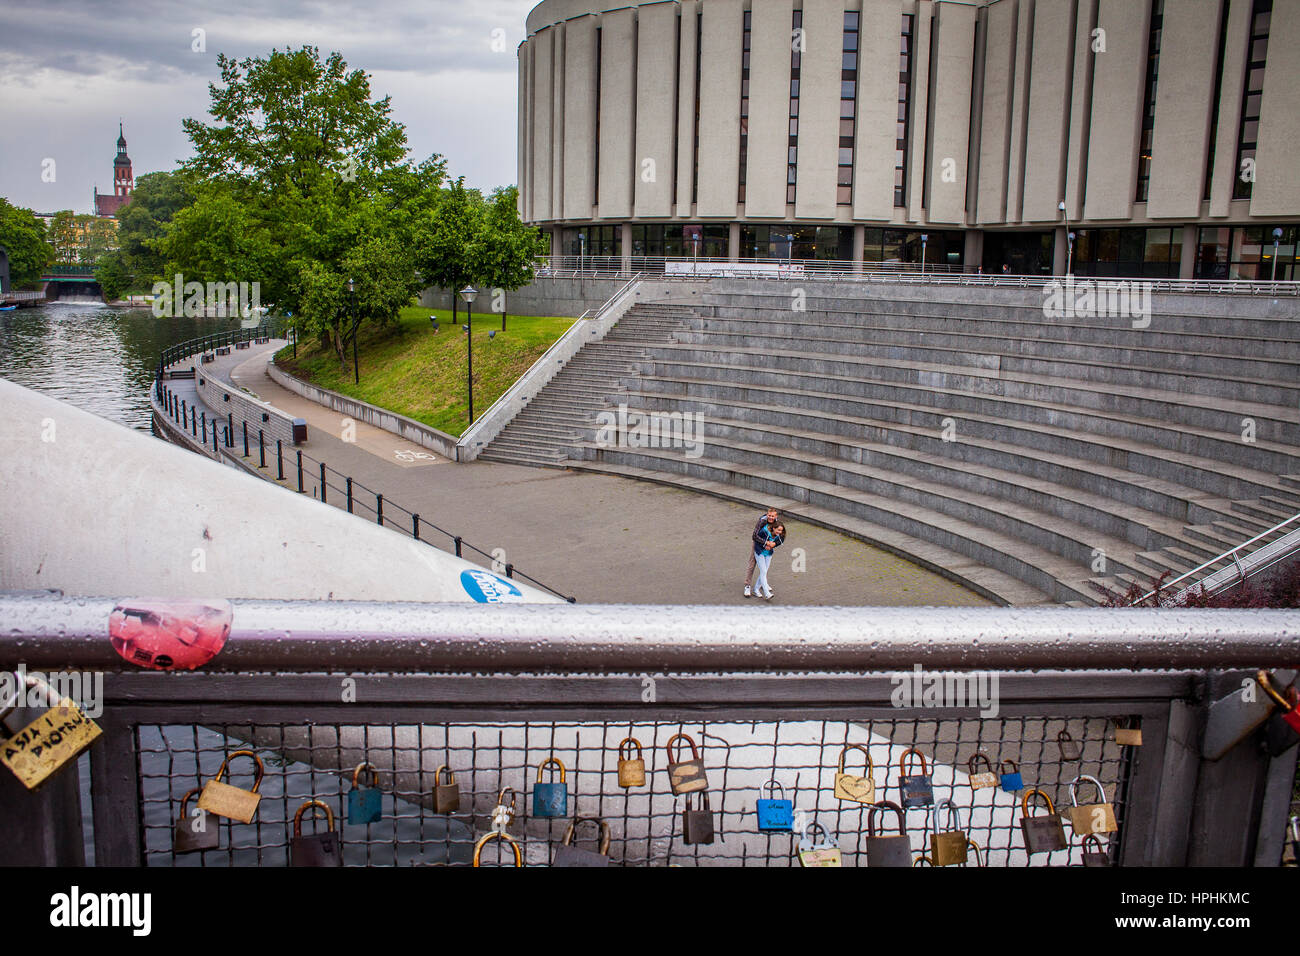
x=563 y=416
x=1033 y=459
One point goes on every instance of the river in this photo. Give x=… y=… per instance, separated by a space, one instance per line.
x=89 y=355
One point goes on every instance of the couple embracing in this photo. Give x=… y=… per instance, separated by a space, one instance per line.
x=769 y=534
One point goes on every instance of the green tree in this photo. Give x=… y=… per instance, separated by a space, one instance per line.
x=22 y=236
x=136 y=263
x=448 y=256
x=506 y=247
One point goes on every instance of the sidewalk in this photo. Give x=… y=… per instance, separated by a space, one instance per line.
x=600 y=538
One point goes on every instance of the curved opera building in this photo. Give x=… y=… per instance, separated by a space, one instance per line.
x=1163 y=135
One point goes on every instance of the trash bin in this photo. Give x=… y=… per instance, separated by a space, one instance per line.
x=299 y=431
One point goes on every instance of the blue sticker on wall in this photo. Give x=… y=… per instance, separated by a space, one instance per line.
x=487 y=588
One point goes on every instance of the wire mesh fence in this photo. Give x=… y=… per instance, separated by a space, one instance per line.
x=317 y=762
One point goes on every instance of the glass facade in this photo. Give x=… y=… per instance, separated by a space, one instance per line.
x=746 y=45
x=1246 y=252
x=786 y=241
x=681 y=240
x=600 y=241
x=796 y=61
x=1149 y=112
x=848 y=108
x=1248 y=134
x=904 y=97
x=904 y=245
x=1128 y=253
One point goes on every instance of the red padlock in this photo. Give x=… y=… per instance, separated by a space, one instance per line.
x=1290 y=713
x=1282 y=730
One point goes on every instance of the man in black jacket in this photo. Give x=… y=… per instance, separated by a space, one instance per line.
x=757 y=543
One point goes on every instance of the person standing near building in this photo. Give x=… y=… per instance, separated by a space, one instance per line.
x=758 y=542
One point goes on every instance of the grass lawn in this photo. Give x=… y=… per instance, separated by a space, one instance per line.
x=419 y=374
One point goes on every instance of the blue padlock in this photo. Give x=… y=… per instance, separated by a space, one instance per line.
x=775 y=815
x=550 y=799
x=365 y=804
x=1012 y=782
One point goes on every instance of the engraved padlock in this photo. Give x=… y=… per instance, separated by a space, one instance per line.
x=916 y=789
x=550 y=799
x=1043 y=834
x=631 y=770
x=1010 y=780
x=697 y=822
x=194 y=831
x=503 y=814
x=823 y=852
x=497 y=835
x=365 y=804
x=685 y=776
x=775 y=814
x=884 y=850
x=851 y=787
x=566 y=854
x=446 y=792
x=947 y=847
x=1092 y=817
x=49 y=743
x=1068 y=746
x=315 y=849
x=229 y=801
x=979 y=779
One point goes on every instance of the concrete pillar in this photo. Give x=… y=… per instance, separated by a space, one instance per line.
x=973 y=250
x=733 y=243
x=1060 y=249
x=625 y=245
x=1187 y=263
x=859 y=242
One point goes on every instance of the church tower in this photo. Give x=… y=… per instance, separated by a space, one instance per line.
x=123 y=182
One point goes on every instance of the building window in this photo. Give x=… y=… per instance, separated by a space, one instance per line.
x=904 y=99
x=796 y=60
x=680 y=241
x=1214 y=106
x=1246 y=252
x=744 y=101
x=600 y=241
x=1149 y=112
x=785 y=241
x=595 y=175
x=848 y=108
x=1248 y=133
x=1128 y=253
x=699 y=55
x=897 y=246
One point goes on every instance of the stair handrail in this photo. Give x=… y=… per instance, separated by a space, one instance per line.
x=470 y=435
x=1242 y=574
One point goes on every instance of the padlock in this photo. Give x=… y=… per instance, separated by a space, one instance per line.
x=316 y=849
x=980 y=779
x=1097 y=857
x=1042 y=834
x=1068 y=746
x=231 y=802
x=947 y=847
x=566 y=854
x=775 y=815
x=922 y=860
x=697 y=825
x=631 y=770
x=365 y=804
x=503 y=814
x=50 y=742
x=850 y=787
x=685 y=776
x=888 y=850
x=818 y=853
x=973 y=848
x=1282 y=729
x=550 y=799
x=916 y=789
x=1093 y=817
x=1127 y=736
x=446 y=796
x=1011 y=781
x=497 y=835
x=194 y=832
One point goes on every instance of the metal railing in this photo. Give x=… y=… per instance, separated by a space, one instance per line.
x=492 y=692
x=245 y=443
x=268 y=329
x=687 y=268
x=1267 y=556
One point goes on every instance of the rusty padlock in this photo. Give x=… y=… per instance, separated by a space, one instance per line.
x=1068 y=746
x=446 y=796
x=315 y=849
x=980 y=779
x=851 y=787
x=947 y=847
x=1097 y=857
x=631 y=770
x=566 y=854
x=231 y=802
x=194 y=831
x=697 y=824
x=1042 y=834
x=497 y=835
x=888 y=850
x=365 y=804
x=685 y=776
x=1093 y=817
x=916 y=789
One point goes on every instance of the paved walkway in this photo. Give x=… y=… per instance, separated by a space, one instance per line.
x=600 y=538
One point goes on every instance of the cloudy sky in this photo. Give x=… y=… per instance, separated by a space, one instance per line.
x=70 y=68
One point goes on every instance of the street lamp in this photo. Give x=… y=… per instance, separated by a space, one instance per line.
x=582 y=251
x=1060 y=207
x=1069 y=255
x=468 y=293
x=1277 y=237
x=924 y=239
x=356 y=323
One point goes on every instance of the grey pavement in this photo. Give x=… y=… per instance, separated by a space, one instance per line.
x=600 y=538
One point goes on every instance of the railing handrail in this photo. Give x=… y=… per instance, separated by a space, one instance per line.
x=1230 y=553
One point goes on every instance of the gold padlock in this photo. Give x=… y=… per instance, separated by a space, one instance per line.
x=51 y=741
x=1092 y=817
x=1127 y=736
x=981 y=778
x=947 y=848
x=631 y=770
x=850 y=787
x=231 y=802
x=922 y=860
x=446 y=796
x=497 y=835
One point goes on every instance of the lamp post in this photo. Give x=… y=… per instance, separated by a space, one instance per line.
x=924 y=239
x=1060 y=207
x=356 y=323
x=1277 y=237
x=582 y=251
x=468 y=293
x=1069 y=254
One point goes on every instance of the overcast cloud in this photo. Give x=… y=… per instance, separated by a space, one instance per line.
x=69 y=69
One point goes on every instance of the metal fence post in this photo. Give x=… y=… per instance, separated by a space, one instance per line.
x=415 y=526
x=279 y=461
x=245 y=423
x=349 y=496
x=205 y=428
x=322 y=483
x=300 y=490
x=510 y=570
x=379 y=509
x=261 y=449
x=230 y=429
x=456 y=540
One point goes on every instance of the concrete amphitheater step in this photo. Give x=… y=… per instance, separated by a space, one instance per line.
x=988 y=582
x=1040 y=570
